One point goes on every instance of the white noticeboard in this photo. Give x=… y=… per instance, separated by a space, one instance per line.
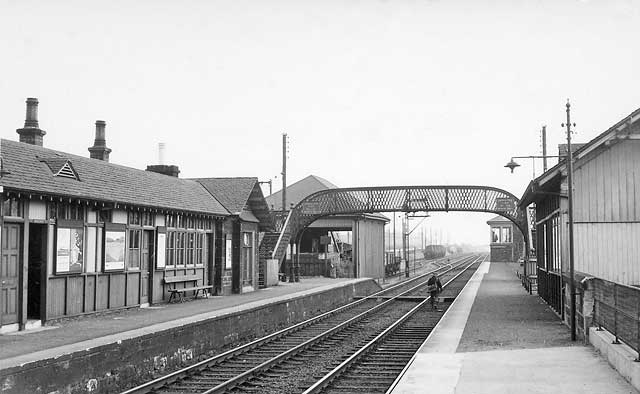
x=227 y=264
x=162 y=245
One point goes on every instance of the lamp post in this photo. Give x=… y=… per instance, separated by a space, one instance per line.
x=512 y=165
x=570 y=217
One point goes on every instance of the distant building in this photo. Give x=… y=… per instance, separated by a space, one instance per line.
x=506 y=241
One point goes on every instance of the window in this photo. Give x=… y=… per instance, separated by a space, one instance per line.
x=495 y=234
x=200 y=248
x=191 y=246
x=105 y=215
x=133 y=257
x=247 y=258
x=148 y=219
x=505 y=234
x=180 y=249
x=171 y=247
x=69 y=256
x=134 y=218
x=12 y=207
x=170 y=220
x=66 y=211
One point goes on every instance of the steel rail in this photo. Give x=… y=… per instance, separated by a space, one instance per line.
x=406 y=368
x=204 y=364
x=328 y=378
x=233 y=382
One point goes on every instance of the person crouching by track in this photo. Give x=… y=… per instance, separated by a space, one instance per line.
x=434 y=286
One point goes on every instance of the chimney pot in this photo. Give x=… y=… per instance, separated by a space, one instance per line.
x=99 y=149
x=32 y=113
x=163 y=168
x=31 y=132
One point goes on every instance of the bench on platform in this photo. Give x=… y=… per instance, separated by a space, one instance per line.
x=181 y=291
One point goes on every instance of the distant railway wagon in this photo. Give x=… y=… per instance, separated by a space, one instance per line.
x=434 y=251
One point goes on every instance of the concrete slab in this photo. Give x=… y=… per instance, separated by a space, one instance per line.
x=485 y=344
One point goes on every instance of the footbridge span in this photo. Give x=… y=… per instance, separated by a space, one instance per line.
x=380 y=199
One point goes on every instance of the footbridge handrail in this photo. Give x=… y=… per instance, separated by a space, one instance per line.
x=378 y=199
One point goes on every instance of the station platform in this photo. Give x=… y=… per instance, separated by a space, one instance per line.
x=497 y=338
x=79 y=334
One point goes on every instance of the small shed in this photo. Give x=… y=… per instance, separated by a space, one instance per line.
x=320 y=246
x=506 y=241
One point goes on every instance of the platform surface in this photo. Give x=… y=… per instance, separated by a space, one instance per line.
x=77 y=334
x=497 y=338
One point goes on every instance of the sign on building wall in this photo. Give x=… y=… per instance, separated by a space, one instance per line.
x=505 y=204
x=69 y=255
x=114 y=250
x=227 y=264
x=162 y=245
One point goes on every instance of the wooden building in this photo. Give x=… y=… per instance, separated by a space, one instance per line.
x=249 y=218
x=506 y=242
x=606 y=186
x=81 y=235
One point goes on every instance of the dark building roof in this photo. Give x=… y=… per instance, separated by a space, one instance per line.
x=232 y=193
x=299 y=190
x=31 y=169
x=238 y=195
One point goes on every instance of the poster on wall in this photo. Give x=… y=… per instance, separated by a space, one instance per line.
x=227 y=264
x=162 y=244
x=114 y=250
x=69 y=250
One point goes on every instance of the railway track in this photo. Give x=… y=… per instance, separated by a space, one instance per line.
x=294 y=359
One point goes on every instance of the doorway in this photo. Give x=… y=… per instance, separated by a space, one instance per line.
x=146 y=264
x=37 y=270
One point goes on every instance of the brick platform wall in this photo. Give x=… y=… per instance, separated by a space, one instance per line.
x=118 y=366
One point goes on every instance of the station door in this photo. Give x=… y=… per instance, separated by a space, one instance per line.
x=9 y=273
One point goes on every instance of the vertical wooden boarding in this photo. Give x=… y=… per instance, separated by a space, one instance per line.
x=9 y=274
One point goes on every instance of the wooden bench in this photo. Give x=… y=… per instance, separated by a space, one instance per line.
x=185 y=279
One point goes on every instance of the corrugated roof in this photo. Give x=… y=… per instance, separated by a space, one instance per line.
x=101 y=181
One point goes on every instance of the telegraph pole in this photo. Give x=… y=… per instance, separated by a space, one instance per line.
x=544 y=149
x=572 y=289
x=284 y=171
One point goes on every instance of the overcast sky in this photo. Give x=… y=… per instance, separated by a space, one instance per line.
x=370 y=92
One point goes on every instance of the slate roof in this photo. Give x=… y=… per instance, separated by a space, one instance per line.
x=299 y=190
x=233 y=193
x=241 y=196
x=101 y=181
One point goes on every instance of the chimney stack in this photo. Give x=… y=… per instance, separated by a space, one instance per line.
x=161 y=149
x=31 y=133
x=99 y=149
x=161 y=167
